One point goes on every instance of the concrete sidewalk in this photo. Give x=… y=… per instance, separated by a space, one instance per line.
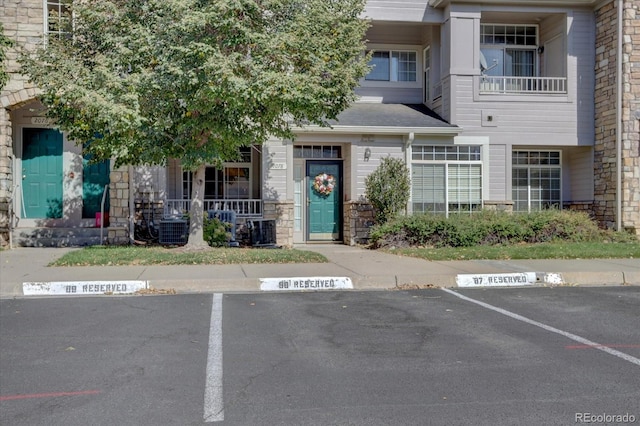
x=367 y=270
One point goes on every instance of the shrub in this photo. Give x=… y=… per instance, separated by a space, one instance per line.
x=488 y=228
x=387 y=188
x=215 y=232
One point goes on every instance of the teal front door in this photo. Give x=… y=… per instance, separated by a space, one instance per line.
x=42 y=173
x=95 y=176
x=324 y=200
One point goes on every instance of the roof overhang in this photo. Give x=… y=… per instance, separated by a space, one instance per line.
x=584 y=3
x=378 y=130
x=384 y=119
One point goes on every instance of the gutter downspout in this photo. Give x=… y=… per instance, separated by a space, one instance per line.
x=132 y=208
x=619 y=127
x=407 y=161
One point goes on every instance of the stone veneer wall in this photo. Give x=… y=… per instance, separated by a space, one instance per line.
x=6 y=176
x=282 y=212
x=631 y=118
x=119 y=207
x=23 y=23
x=358 y=220
x=605 y=166
x=498 y=206
x=604 y=205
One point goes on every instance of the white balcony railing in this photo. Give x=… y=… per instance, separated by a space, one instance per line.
x=523 y=85
x=243 y=208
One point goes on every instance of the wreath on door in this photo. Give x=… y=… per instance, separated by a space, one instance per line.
x=323 y=184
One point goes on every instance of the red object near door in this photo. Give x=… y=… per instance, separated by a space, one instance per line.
x=99 y=220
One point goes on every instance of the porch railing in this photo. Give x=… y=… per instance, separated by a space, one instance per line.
x=523 y=85
x=243 y=208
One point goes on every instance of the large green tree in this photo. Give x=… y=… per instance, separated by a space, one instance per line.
x=197 y=79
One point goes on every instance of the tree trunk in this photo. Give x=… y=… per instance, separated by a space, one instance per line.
x=196 y=214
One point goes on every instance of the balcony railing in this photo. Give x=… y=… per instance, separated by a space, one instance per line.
x=523 y=85
x=243 y=208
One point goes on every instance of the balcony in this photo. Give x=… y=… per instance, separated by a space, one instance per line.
x=243 y=208
x=523 y=85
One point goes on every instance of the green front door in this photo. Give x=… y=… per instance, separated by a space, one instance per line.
x=324 y=193
x=42 y=173
x=95 y=176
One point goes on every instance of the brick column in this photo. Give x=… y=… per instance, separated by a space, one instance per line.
x=282 y=212
x=358 y=220
x=119 y=210
x=6 y=176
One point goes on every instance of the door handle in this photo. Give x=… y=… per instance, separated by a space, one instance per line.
x=308 y=201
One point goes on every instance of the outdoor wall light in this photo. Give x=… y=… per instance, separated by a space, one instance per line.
x=367 y=154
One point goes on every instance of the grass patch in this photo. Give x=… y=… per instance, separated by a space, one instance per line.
x=555 y=250
x=132 y=255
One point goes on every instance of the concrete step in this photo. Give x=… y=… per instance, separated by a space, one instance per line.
x=57 y=237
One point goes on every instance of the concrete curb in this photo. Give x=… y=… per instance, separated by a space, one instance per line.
x=382 y=283
x=593 y=278
x=631 y=278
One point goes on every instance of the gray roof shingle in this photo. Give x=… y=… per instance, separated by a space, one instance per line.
x=390 y=115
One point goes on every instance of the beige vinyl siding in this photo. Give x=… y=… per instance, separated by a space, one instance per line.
x=553 y=28
x=582 y=62
x=381 y=147
x=498 y=164
x=397 y=33
x=174 y=179
x=531 y=120
x=405 y=11
x=391 y=95
x=445 y=109
x=274 y=180
x=577 y=166
x=536 y=119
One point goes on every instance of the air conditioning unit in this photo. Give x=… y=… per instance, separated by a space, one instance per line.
x=263 y=232
x=174 y=232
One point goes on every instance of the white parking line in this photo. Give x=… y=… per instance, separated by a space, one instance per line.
x=566 y=334
x=213 y=404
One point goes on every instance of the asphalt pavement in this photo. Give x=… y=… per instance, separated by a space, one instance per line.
x=366 y=269
x=503 y=356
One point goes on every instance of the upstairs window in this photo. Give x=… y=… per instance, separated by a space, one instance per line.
x=427 y=75
x=509 y=50
x=58 y=18
x=393 y=65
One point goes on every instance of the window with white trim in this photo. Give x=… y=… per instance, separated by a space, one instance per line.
x=57 y=16
x=446 y=179
x=536 y=180
x=427 y=75
x=231 y=182
x=509 y=50
x=393 y=65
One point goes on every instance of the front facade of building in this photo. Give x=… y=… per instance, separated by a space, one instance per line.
x=501 y=104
